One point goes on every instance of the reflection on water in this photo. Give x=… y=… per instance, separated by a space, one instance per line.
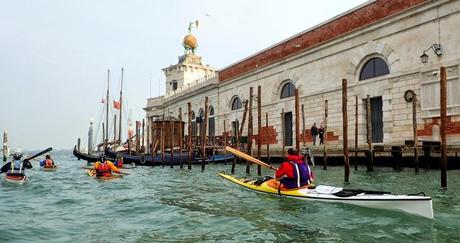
x=164 y=204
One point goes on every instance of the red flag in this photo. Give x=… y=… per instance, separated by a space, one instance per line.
x=116 y=104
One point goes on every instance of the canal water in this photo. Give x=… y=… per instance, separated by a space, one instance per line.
x=155 y=204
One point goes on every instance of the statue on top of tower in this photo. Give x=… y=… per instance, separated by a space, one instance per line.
x=190 y=42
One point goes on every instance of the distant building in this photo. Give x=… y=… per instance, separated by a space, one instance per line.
x=376 y=46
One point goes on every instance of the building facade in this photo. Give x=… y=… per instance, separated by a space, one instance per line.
x=377 y=47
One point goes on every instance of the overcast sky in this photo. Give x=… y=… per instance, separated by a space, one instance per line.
x=54 y=54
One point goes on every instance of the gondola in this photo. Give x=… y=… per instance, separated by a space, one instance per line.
x=177 y=159
x=89 y=157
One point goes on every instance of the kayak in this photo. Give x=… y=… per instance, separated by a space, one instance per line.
x=124 y=167
x=92 y=173
x=412 y=204
x=50 y=169
x=16 y=179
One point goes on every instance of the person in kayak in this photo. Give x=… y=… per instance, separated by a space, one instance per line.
x=294 y=172
x=104 y=168
x=47 y=162
x=119 y=161
x=16 y=167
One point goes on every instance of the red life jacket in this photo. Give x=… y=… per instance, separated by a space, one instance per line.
x=49 y=163
x=103 y=170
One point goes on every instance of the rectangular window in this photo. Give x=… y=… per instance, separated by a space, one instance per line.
x=430 y=93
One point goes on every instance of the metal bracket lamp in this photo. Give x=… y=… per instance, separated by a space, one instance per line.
x=436 y=49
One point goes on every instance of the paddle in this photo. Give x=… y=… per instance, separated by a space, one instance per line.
x=38 y=154
x=248 y=157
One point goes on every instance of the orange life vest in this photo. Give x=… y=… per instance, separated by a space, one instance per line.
x=49 y=163
x=103 y=170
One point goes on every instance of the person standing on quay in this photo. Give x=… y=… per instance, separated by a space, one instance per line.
x=321 y=134
x=314 y=133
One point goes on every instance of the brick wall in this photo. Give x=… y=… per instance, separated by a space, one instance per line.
x=451 y=128
x=359 y=18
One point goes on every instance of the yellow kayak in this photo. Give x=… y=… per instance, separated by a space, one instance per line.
x=417 y=204
x=92 y=173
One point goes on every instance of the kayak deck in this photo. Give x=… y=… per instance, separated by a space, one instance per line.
x=92 y=173
x=50 y=169
x=16 y=179
x=418 y=205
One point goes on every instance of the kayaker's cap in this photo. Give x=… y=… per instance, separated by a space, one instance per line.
x=17 y=156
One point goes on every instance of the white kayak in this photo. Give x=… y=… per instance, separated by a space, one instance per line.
x=413 y=204
x=16 y=179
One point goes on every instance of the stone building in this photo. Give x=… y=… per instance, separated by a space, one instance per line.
x=376 y=46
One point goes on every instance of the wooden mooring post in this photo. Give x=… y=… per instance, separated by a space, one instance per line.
x=79 y=140
x=356 y=133
x=443 y=102
x=225 y=142
x=303 y=127
x=180 y=137
x=239 y=133
x=189 y=147
x=414 y=126
x=283 y=143
x=345 y=130
x=266 y=136
x=203 y=162
x=297 y=118
x=370 y=163
x=250 y=129
x=171 y=164
x=259 y=126
x=142 y=136
x=325 y=135
x=163 y=141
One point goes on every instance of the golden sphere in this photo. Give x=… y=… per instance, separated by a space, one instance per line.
x=190 y=41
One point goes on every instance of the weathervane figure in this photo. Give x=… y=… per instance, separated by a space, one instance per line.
x=190 y=43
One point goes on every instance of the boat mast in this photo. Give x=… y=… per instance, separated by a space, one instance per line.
x=106 y=139
x=121 y=108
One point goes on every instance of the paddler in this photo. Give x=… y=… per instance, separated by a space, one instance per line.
x=16 y=167
x=47 y=162
x=104 y=168
x=119 y=161
x=294 y=172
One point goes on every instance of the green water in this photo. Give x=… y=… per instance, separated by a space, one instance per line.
x=162 y=204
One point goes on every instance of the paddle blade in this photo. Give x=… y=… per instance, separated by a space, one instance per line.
x=40 y=153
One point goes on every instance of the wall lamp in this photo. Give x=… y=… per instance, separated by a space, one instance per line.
x=436 y=49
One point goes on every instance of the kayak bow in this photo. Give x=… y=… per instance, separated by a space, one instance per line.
x=418 y=205
x=16 y=179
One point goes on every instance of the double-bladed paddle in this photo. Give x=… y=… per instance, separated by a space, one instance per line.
x=38 y=154
x=248 y=157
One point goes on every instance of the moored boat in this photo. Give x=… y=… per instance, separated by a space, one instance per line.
x=88 y=157
x=413 y=204
x=16 y=179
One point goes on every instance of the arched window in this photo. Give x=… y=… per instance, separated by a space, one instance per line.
x=288 y=90
x=201 y=112
x=236 y=103
x=211 y=111
x=193 y=115
x=211 y=122
x=373 y=68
